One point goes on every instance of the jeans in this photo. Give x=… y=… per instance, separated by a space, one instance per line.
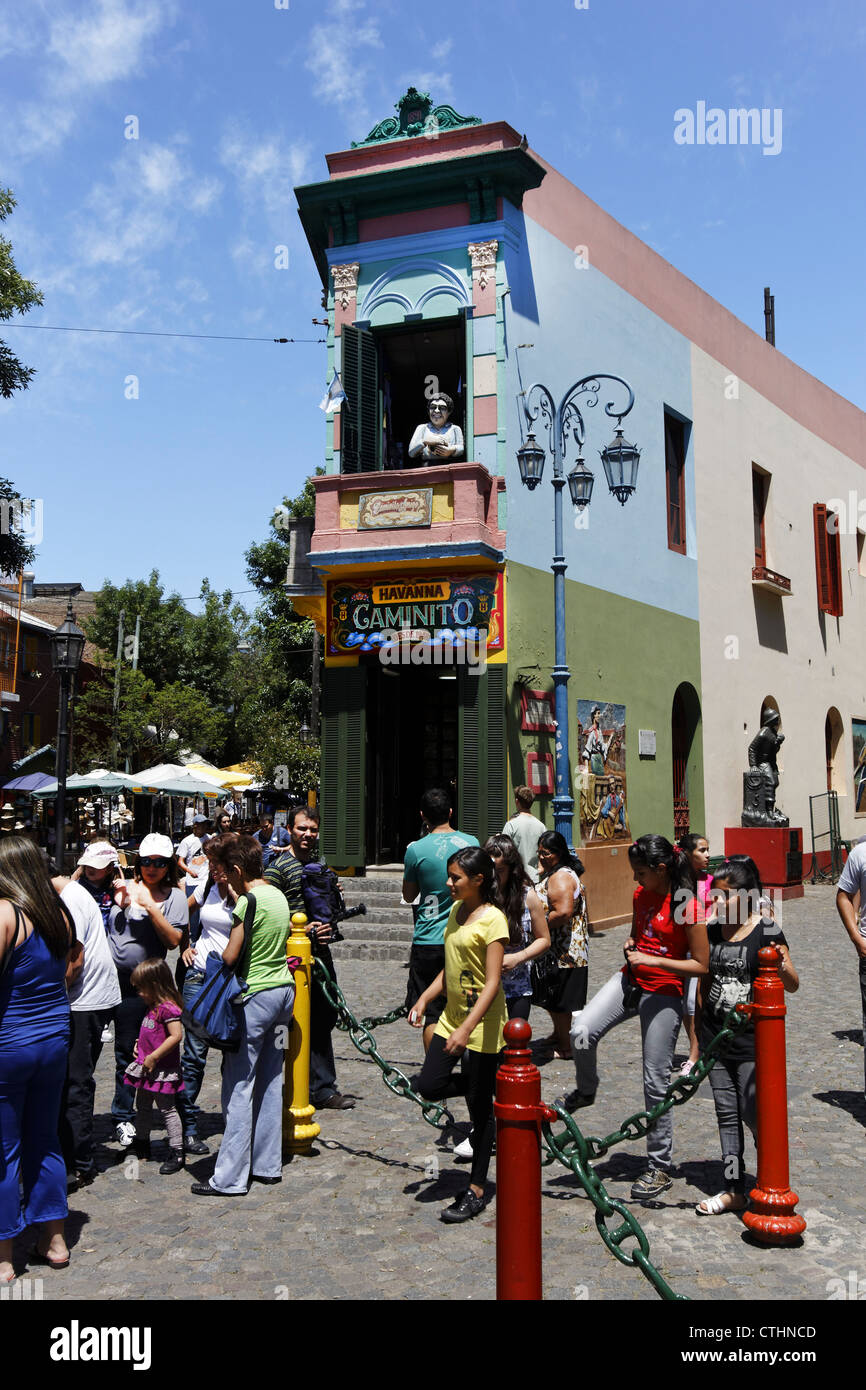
x=31 y=1084
x=733 y=1086
x=477 y=1082
x=659 y=1016
x=252 y=1093
x=323 y=1068
x=192 y=1062
x=863 y=998
x=76 y=1106
x=128 y=1018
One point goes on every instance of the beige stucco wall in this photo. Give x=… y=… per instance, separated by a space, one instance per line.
x=753 y=644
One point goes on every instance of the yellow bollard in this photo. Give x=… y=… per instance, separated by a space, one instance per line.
x=299 y=1129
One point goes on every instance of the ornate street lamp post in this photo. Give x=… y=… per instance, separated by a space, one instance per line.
x=620 y=460
x=67 y=647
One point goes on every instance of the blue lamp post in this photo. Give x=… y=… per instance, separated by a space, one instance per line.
x=620 y=460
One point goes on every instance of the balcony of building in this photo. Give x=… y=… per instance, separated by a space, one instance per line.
x=440 y=512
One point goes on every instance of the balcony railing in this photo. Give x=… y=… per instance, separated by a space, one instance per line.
x=774 y=583
x=442 y=510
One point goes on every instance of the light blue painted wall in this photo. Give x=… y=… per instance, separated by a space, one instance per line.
x=579 y=322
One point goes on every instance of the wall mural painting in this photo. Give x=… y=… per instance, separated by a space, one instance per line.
x=600 y=783
x=858 y=729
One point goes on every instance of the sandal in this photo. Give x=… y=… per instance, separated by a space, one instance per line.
x=718 y=1205
x=35 y=1256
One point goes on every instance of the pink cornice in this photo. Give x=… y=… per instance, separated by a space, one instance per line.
x=417 y=149
x=574 y=219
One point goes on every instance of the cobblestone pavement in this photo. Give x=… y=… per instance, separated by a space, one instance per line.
x=359 y=1218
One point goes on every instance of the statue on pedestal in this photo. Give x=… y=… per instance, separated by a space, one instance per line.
x=762 y=779
x=438 y=441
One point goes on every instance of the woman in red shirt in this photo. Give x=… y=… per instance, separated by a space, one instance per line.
x=667 y=944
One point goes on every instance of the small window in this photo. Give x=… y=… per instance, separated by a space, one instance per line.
x=760 y=488
x=828 y=560
x=675 y=482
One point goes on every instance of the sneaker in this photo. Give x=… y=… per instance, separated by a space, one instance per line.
x=466 y=1206
x=653 y=1183
x=464 y=1150
x=125 y=1134
x=107 y=1034
x=575 y=1100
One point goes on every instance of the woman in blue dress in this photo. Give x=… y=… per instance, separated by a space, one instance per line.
x=37 y=951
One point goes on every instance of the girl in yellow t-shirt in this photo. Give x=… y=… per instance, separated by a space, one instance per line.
x=471 y=1024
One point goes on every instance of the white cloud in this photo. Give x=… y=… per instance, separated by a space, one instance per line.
x=266 y=169
x=144 y=207
x=441 y=50
x=110 y=41
x=437 y=83
x=333 y=54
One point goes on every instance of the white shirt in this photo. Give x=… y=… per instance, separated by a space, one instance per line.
x=97 y=986
x=452 y=435
x=215 y=916
x=189 y=846
x=852 y=880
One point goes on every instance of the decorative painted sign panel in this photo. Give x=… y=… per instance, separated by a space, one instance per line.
x=362 y=611
x=601 y=779
x=382 y=511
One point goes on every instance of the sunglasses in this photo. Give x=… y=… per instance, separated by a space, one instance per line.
x=149 y=863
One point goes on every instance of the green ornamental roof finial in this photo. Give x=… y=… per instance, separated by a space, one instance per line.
x=416 y=115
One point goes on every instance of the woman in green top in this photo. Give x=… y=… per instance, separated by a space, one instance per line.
x=251 y=1149
x=470 y=1027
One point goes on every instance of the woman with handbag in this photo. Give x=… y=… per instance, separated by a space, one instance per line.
x=666 y=946
x=251 y=1148
x=38 y=954
x=560 y=979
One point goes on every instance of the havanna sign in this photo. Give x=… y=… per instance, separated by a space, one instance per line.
x=420 y=605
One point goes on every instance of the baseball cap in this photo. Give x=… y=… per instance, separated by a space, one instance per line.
x=159 y=846
x=199 y=819
x=98 y=855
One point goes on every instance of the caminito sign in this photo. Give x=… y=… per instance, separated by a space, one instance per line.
x=442 y=606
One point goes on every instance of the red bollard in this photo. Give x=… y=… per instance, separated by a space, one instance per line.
x=518 y=1111
x=772 y=1218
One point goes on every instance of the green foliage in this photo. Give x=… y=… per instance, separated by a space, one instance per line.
x=17 y=295
x=154 y=724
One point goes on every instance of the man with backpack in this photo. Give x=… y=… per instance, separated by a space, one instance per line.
x=286 y=873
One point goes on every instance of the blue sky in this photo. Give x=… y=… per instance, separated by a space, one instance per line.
x=238 y=102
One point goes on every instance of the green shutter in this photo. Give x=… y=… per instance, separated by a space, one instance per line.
x=344 y=766
x=361 y=425
x=482 y=793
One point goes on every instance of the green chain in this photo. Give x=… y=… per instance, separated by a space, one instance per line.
x=576 y=1150
x=681 y=1090
x=575 y=1156
x=378 y=1020
x=437 y=1115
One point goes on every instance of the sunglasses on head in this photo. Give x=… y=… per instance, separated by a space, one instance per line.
x=152 y=863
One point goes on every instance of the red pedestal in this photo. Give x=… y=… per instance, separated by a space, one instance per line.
x=778 y=853
x=518 y=1113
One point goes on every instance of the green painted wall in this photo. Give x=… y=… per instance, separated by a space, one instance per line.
x=618 y=650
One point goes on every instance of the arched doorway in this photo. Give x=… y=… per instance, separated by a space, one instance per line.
x=685 y=720
x=833 y=751
x=768 y=703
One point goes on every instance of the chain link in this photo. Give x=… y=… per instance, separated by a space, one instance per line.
x=439 y=1116
x=576 y=1150
x=378 y=1020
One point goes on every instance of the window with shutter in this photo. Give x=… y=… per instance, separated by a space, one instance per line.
x=482 y=793
x=675 y=482
x=759 y=506
x=344 y=766
x=828 y=560
x=361 y=415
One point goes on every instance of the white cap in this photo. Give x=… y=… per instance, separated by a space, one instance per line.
x=159 y=846
x=99 y=855
x=199 y=819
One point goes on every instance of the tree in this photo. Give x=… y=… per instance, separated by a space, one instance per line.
x=154 y=724
x=17 y=295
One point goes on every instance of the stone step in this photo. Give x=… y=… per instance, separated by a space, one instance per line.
x=360 y=929
x=371 y=950
x=393 y=916
x=372 y=887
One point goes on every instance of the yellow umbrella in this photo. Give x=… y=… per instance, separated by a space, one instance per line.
x=227 y=777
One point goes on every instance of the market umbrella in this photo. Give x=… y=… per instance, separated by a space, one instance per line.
x=177 y=781
x=228 y=776
x=100 y=779
x=32 y=783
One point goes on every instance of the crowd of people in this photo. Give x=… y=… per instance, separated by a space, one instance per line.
x=498 y=927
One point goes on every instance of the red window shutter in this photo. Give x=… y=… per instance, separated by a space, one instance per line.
x=822 y=558
x=834 y=555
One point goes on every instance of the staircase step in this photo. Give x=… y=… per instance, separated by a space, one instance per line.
x=359 y=929
x=371 y=950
